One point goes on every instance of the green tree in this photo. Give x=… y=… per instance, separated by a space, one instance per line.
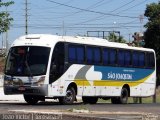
x=114 y=38
x=5 y=19
x=152 y=33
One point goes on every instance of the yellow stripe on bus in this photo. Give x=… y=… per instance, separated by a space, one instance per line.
x=119 y=83
x=82 y=82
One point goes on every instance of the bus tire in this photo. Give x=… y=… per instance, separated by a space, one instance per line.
x=89 y=100
x=123 y=99
x=69 y=98
x=30 y=99
x=93 y=100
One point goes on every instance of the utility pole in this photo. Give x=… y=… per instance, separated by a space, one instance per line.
x=6 y=37
x=141 y=17
x=129 y=38
x=26 y=17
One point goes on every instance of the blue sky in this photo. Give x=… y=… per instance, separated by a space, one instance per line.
x=76 y=17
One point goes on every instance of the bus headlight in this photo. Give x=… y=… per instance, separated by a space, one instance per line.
x=40 y=82
x=8 y=82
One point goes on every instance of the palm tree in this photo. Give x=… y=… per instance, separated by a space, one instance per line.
x=114 y=38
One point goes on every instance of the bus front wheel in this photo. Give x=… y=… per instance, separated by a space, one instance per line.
x=69 y=98
x=30 y=99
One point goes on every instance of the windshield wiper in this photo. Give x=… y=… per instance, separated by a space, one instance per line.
x=28 y=68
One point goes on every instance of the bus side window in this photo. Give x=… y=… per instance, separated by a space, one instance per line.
x=150 y=61
x=80 y=54
x=89 y=55
x=76 y=54
x=121 y=57
x=112 y=57
x=97 y=55
x=141 y=59
x=72 y=54
x=93 y=55
x=105 y=56
x=135 y=59
x=127 y=56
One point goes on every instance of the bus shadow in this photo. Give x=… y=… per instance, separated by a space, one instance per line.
x=56 y=103
x=46 y=103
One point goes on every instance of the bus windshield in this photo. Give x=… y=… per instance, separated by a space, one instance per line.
x=27 y=61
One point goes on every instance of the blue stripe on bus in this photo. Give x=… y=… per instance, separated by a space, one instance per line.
x=122 y=73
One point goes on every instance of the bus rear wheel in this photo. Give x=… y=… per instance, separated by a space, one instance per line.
x=89 y=100
x=30 y=99
x=69 y=98
x=123 y=99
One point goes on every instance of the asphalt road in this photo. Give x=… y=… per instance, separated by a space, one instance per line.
x=8 y=110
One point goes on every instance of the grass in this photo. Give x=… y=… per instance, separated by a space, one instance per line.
x=81 y=107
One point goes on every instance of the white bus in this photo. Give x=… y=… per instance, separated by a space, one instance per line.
x=42 y=66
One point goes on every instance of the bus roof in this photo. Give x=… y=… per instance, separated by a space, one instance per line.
x=49 y=40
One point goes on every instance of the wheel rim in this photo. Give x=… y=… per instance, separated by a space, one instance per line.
x=124 y=95
x=69 y=96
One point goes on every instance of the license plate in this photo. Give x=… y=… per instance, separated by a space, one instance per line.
x=21 y=88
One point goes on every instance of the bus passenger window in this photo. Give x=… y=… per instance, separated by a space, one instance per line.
x=97 y=55
x=141 y=59
x=105 y=56
x=112 y=57
x=80 y=54
x=127 y=57
x=90 y=55
x=135 y=59
x=150 y=61
x=121 y=57
x=72 y=54
x=76 y=54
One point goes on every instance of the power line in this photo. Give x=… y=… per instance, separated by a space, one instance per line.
x=41 y=15
x=104 y=3
x=60 y=5
x=123 y=6
x=90 y=7
x=26 y=17
x=95 y=5
x=132 y=6
x=78 y=27
x=101 y=16
x=91 y=11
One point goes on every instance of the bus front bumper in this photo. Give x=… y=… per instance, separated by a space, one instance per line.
x=31 y=90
